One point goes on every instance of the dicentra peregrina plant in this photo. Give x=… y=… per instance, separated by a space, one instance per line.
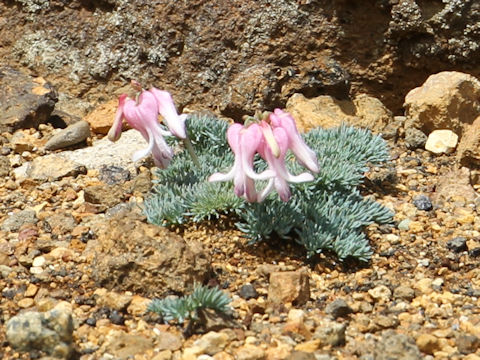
x=271 y=136
x=142 y=113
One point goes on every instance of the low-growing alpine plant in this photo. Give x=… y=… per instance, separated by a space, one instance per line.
x=233 y=169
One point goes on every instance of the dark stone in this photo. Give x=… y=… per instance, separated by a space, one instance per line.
x=415 y=138
x=113 y=174
x=25 y=102
x=116 y=318
x=338 y=308
x=474 y=252
x=423 y=202
x=248 y=291
x=91 y=322
x=457 y=244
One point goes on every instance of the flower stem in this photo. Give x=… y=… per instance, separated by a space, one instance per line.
x=189 y=147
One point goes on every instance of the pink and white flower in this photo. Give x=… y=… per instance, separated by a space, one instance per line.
x=271 y=141
x=142 y=115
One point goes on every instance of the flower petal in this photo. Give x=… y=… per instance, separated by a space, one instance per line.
x=116 y=130
x=304 y=154
x=166 y=108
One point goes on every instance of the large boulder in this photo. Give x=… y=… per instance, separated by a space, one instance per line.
x=447 y=100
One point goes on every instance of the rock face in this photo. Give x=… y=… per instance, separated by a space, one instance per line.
x=24 y=101
x=237 y=55
x=146 y=259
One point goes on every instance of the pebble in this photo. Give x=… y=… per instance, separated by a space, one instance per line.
x=338 y=308
x=404 y=292
x=404 y=225
x=457 y=244
x=428 y=344
x=39 y=261
x=441 y=142
x=414 y=138
x=212 y=342
x=26 y=303
x=396 y=346
x=250 y=352
x=380 y=293
x=289 y=287
x=467 y=343
x=247 y=291
x=423 y=202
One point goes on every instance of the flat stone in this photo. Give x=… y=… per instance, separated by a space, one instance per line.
x=71 y=135
x=103 y=152
x=441 y=142
x=53 y=167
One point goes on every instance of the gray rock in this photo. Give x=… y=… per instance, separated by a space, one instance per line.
x=50 y=332
x=247 y=291
x=71 y=135
x=422 y=202
x=25 y=102
x=16 y=220
x=330 y=333
x=396 y=346
x=338 y=308
x=457 y=244
x=415 y=138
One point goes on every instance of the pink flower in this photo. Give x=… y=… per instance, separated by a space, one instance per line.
x=304 y=155
x=272 y=144
x=142 y=115
x=244 y=144
x=277 y=164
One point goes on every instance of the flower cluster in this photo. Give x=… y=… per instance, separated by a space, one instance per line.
x=271 y=138
x=142 y=115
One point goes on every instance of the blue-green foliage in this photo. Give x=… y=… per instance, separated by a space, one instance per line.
x=186 y=307
x=325 y=214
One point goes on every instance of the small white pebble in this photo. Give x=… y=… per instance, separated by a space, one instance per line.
x=39 y=261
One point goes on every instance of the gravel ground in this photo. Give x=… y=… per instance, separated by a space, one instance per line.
x=417 y=298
